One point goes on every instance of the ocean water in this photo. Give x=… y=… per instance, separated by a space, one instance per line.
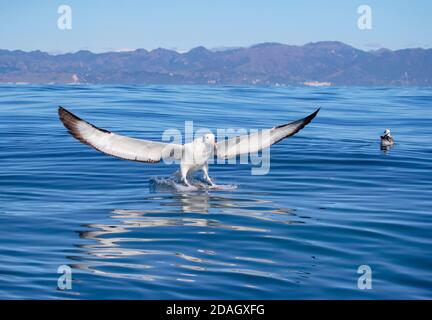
x=332 y=201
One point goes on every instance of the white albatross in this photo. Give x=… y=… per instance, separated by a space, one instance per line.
x=193 y=156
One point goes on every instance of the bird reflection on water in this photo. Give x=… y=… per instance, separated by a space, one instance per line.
x=154 y=244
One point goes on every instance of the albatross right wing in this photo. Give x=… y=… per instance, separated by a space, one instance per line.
x=117 y=145
x=250 y=143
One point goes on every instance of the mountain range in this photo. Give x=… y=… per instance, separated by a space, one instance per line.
x=319 y=63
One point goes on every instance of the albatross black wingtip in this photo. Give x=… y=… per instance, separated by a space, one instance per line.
x=313 y=115
x=65 y=114
x=310 y=117
x=62 y=112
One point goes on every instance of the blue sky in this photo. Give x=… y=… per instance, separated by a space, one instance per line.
x=183 y=24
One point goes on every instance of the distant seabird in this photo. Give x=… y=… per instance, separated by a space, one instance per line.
x=193 y=156
x=386 y=139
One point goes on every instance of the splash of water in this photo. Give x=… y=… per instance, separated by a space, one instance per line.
x=173 y=184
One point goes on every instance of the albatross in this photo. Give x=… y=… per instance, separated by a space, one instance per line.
x=193 y=156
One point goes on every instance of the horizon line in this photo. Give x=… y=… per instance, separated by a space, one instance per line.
x=213 y=49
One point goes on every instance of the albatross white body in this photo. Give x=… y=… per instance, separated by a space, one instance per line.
x=193 y=156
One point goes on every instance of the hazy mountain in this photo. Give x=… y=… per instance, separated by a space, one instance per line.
x=266 y=64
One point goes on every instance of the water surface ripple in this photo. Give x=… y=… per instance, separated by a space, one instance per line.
x=332 y=201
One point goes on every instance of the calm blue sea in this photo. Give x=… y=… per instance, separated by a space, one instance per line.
x=333 y=201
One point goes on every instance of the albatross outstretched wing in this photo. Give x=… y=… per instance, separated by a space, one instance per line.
x=117 y=145
x=265 y=138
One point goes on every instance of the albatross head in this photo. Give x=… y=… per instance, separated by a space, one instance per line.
x=209 y=140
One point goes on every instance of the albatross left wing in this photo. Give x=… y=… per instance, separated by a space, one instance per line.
x=117 y=145
x=265 y=138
